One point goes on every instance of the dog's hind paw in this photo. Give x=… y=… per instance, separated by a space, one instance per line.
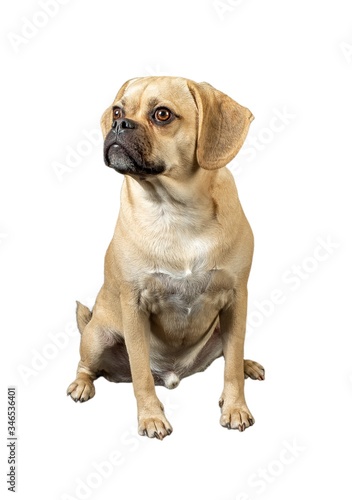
x=253 y=370
x=81 y=390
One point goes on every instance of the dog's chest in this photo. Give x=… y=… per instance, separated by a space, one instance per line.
x=184 y=287
x=183 y=295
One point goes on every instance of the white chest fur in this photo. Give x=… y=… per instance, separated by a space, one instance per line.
x=185 y=296
x=178 y=293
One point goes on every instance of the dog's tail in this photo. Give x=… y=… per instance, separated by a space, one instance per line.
x=83 y=315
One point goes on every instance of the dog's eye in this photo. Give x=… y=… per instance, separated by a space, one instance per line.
x=117 y=113
x=162 y=115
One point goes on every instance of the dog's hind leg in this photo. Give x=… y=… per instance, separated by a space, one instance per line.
x=97 y=339
x=91 y=350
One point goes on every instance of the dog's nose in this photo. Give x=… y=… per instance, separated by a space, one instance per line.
x=122 y=125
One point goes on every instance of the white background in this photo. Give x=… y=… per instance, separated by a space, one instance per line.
x=275 y=57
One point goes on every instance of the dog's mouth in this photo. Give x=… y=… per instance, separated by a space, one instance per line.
x=127 y=160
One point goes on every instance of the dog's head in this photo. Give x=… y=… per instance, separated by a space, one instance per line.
x=171 y=126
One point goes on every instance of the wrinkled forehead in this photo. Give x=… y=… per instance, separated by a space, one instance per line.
x=150 y=92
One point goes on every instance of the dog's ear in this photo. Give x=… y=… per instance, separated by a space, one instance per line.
x=222 y=127
x=106 y=119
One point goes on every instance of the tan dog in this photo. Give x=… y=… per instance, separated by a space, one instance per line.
x=175 y=291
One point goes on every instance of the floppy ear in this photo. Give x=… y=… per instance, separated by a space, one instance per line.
x=222 y=127
x=106 y=119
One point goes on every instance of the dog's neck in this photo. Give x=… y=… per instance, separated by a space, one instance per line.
x=193 y=192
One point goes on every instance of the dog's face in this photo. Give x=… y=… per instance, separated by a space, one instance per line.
x=151 y=127
x=171 y=126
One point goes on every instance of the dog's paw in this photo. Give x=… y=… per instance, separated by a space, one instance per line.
x=154 y=426
x=253 y=370
x=235 y=416
x=81 y=390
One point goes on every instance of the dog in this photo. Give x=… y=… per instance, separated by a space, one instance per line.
x=174 y=296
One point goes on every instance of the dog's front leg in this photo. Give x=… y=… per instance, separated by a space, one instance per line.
x=151 y=418
x=234 y=410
